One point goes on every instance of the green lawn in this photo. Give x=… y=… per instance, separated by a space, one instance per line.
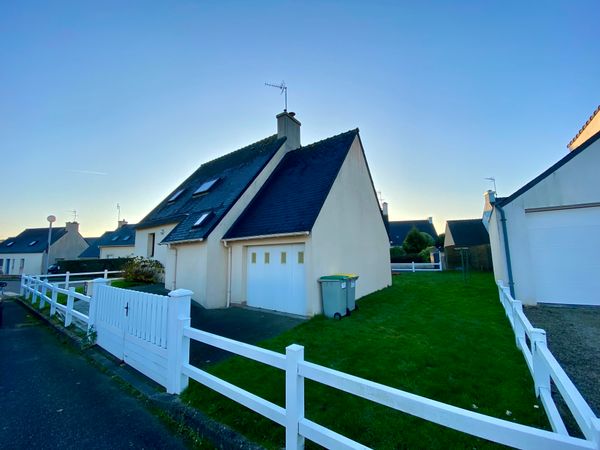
x=429 y=334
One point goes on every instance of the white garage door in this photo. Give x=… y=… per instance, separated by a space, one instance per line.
x=275 y=275
x=565 y=248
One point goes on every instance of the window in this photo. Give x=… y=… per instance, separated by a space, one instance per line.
x=283 y=257
x=300 y=257
x=126 y=238
x=267 y=257
x=175 y=196
x=151 y=239
x=115 y=238
x=206 y=186
x=253 y=257
x=32 y=243
x=8 y=244
x=201 y=219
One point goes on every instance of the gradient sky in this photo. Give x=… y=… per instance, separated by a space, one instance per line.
x=117 y=102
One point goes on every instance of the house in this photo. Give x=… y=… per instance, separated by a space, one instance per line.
x=400 y=229
x=545 y=236
x=28 y=252
x=92 y=252
x=260 y=225
x=467 y=239
x=119 y=243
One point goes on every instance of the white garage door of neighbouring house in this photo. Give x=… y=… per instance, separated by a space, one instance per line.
x=275 y=278
x=565 y=248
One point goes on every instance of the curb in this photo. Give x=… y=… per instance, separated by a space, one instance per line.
x=219 y=435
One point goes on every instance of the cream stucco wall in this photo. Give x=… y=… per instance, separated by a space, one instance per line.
x=160 y=251
x=69 y=246
x=117 y=251
x=575 y=183
x=32 y=264
x=187 y=269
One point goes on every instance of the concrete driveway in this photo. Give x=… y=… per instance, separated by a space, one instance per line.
x=246 y=325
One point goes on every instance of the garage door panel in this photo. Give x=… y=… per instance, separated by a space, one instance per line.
x=564 y=246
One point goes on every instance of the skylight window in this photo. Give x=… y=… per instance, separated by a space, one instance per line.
x=126 y=238
x=176 y=195
x=206 y=186
x=115 y=238
x=32 y=243
x=9 y=244
x=201 y=219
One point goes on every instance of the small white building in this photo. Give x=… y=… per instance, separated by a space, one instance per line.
x=119 y=243
x=545 y=237
x=28 y=252
x=260 y=225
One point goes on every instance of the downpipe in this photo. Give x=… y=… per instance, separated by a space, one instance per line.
x=511 y=284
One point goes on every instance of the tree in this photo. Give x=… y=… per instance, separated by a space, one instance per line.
x=416 y=241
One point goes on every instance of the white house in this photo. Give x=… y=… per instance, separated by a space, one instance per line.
x=260 y=225
x=28 y=252
x=119 y=243
x=545 y=237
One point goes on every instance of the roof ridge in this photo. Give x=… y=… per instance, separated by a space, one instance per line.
x=355 y=130
x=584 y=125
x=246 y=147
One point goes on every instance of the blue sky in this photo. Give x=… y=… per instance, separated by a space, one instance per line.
x=117 y=102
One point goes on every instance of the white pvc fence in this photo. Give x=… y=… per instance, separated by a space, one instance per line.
x=417 y=267
x=545 y=371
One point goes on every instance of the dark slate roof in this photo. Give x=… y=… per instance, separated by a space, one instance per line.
x=121 y=237
x=37 y=235
x=399 y=230
x=468 y=232
x=235 y=171
x=292 y=197
x=506 y=200
x=93 y=251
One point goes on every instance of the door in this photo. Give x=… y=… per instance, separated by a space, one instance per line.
x=276 y=278
x=563 y=248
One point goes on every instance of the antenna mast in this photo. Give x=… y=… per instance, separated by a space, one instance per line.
x=118 y=213
x=74 y=211
x=283 y=89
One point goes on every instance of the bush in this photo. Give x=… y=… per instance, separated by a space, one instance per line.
x=416 y=241
x=425 y=253
x=396 y=252
x=143 y=269
x=91 y=265
x=407 y=258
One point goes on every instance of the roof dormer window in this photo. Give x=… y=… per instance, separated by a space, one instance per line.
x=115 y=238
x=9 y=244
x=32 y=243
x=201 y=219
x=175 y=196
x=206 y=186
x=126 y=238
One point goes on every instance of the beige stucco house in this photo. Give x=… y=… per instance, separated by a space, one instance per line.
x=545 y=236
x=28 y=252
x=260 y=225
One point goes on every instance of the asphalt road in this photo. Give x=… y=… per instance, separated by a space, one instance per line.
x=50 y=397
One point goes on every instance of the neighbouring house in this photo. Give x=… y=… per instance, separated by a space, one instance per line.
x=92 y=252
x=544 y=237
x=28 y=252
x=467 y=240
x=399 y=229
x=119 y=243
x=260 y=225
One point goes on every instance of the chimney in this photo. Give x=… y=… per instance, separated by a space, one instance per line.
x=430 y=219
x=120 y=223
x=72 y=227
x=386 y=219
x=289 y=126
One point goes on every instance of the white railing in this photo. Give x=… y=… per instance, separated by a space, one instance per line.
x=70 y=281
x=417 y=267
x=545 y=371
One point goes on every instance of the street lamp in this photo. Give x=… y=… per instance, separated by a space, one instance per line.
x=51 y=219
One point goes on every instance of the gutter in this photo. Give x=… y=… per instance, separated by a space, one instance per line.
x=267 y=236
x=182 y=242
x=511 y=283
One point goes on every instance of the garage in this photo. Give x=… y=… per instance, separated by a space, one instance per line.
x=276 y=278
x=563 y=245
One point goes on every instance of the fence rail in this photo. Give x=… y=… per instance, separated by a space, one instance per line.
x=417 y=267
x=546 y=371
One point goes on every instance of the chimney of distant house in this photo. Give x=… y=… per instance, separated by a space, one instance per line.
x=430 y=219
x=289 y=126
x=72 y=227
x=386 y=219
x=121 y=223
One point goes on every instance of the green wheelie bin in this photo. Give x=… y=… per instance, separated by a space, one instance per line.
x=334 y=294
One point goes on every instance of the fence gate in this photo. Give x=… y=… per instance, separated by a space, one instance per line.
x=133 y=327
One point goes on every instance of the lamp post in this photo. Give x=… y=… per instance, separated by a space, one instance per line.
x=51 y=219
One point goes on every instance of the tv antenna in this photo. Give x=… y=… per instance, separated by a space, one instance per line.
x=74 y=212
x=118 y=213
x=493 y=180
x=283 y=88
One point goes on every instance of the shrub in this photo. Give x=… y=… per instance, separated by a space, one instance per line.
x=416 y=241
x=407 y=258
x=425 y=253
x=91 y=265
x=143 y=269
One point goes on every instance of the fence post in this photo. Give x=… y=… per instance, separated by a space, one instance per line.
x=95 y=285
x=43 y=296
x=178 y=346
x=541 y=375
x=70 y=301
x=105 y=274
x=413 y=267
x=22 y=290
x=595 y=427
x=517 y=324
x=36 y=286
x=294 y=397
x=53 y=302
x=67 y=276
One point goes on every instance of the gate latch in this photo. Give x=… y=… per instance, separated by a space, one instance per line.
x=127 y=309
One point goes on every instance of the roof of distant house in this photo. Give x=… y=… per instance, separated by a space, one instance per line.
x=399 y=229
x=292 y=197
x=123 y=236
x=93 y=251
x=468 y=232
x=584 y=127
x=203 y=199
x=31 y=240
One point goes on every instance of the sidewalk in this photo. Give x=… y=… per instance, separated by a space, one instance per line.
x=52 y=398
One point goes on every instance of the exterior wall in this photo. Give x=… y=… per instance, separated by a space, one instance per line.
x=33 y=263
x=187 y=270
x=68 y=246
x=575 y=183
x=117 y=251
x=349 y=235
x=161 y=252
x=448 y=239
